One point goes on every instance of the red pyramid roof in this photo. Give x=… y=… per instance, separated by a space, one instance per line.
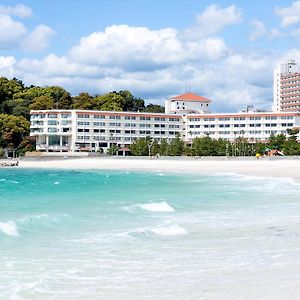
x=190 y=97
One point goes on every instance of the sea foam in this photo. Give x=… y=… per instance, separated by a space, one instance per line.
x=9 y=228
x=169 y=230
x=152 y=207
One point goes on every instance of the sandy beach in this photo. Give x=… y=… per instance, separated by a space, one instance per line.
x=277 y=168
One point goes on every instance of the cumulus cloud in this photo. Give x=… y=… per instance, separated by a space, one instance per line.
x=20 y=10
x=38 y=39
x=139 y=48
x=289 y=15
x=261 y=31
x=10 y=32
x=214 y=18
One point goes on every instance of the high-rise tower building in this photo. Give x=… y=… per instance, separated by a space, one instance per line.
x=286 y=89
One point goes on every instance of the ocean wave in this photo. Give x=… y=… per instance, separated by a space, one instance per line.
x=9 y=228
x=172 y=229
x=164 y=230
x=152 y=207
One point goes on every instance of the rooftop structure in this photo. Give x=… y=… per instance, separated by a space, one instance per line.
x=186 y=104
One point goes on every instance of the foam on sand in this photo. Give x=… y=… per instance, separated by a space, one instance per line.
x=9 y=228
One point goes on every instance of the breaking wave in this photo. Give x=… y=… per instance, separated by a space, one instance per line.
x=152 y=207
x=9 y=228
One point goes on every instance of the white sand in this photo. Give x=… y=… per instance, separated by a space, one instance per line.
x=278 y=168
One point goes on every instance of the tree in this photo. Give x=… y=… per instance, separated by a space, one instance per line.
x=12 y=130
x=85 y=101
x=140 y=147
x=154 y=108
x=176 y=146
x=42 y=102
x=111 y=101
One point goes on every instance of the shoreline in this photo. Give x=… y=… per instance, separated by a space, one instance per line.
x=267 y=168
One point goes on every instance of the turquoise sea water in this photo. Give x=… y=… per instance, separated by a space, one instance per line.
x=133 y=235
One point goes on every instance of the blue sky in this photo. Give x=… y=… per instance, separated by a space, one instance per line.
x=224 y=50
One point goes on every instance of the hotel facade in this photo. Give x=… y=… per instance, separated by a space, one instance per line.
x=286 y=87
x=186 y=115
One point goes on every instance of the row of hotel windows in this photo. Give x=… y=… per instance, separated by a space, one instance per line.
x=86 y=137
x=51 y=122
x=240 y=118
x=50 y=116
x=241 y=125
x=112 y=117
x=268 y=132
x=85 y=123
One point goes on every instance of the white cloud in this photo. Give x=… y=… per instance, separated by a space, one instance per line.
x=214 y=18
x=139 y=48
x=289 y=15
x=7 y=66
x=20 y=10
x=38 y=39
x=10 y=32
x=261 y=31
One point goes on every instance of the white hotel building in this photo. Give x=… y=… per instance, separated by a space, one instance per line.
x=187 y=115
x=286 y=89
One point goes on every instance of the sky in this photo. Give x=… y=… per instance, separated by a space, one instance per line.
x=224 y=50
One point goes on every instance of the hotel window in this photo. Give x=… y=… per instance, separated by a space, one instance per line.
x=133 y=125
x=65 y=122
x=52 y=116
x=52 y=122
x=65 y=116
x=112 y=117
x=51 y=130
x=96 y=130
x=99 y=116
x=290 y=124
x=83 y=116
x=96 y=123
x=83 y=123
